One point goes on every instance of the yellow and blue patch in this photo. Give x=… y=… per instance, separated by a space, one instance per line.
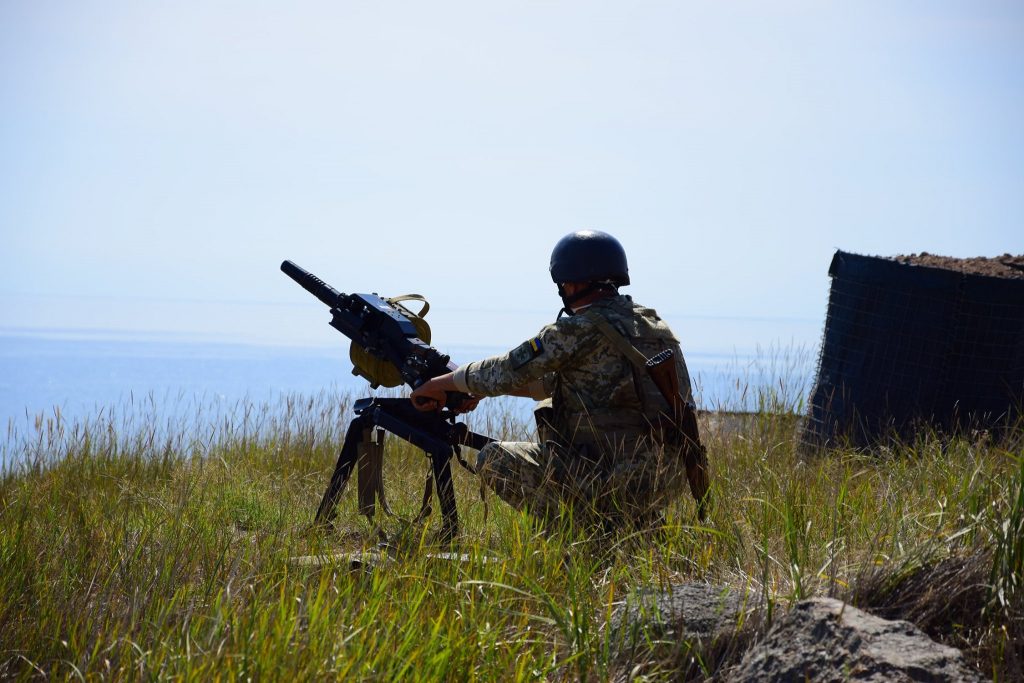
x=525 y=352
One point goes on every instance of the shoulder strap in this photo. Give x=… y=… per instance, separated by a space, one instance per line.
x=618 y=340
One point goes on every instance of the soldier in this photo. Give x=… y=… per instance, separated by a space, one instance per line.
x=602 y=452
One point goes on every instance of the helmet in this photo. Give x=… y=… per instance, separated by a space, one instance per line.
x=589 y=256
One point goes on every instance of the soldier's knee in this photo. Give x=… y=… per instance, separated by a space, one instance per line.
x=486 y=460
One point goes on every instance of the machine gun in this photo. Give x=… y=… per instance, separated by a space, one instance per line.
x=381 y=330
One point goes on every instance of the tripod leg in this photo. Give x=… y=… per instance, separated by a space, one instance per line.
x=441 y=463
x=342 y=471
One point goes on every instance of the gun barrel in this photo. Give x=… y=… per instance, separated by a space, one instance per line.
x=312 y=284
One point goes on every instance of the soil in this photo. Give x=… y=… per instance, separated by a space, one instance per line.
x=1005 y=266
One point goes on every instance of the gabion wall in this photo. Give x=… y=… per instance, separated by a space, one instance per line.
x=907 y=346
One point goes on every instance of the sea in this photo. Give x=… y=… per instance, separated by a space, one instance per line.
x=48 y=376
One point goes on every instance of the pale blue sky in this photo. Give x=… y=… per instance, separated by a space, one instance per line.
x=159 y=160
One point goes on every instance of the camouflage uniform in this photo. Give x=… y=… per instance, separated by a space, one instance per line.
x=598 y=451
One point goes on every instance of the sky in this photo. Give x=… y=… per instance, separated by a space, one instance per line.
x=159 y=160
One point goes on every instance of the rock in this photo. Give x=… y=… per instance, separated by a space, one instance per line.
x=827 y=640
x=691 y=612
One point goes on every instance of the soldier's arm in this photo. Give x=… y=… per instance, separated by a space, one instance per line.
x=436 y=389
x=523 y=370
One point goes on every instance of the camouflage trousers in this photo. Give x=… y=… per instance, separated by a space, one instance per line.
x=546 y=479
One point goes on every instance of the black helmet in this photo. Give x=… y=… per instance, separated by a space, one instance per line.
x=589 y=256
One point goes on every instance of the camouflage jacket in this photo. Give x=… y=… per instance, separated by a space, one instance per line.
x=596 y=395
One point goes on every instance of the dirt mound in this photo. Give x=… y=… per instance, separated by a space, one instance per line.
x=1005 y=266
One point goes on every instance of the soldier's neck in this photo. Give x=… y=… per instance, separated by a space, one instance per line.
x=589 y=300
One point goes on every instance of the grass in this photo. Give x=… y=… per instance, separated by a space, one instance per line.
x=132 y=548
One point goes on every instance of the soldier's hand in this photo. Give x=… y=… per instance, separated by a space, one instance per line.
x=469 y=404
x=429 y=396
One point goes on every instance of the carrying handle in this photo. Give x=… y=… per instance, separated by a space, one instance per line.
x=412 y=297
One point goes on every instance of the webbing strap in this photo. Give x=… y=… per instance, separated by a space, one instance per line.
x=411 y=297
x=618 y=340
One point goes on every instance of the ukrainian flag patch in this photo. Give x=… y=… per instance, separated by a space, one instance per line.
x=525 y=352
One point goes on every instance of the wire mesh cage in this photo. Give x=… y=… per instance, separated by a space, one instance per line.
x=909 y=346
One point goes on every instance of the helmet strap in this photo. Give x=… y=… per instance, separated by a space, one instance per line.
x=568 y=301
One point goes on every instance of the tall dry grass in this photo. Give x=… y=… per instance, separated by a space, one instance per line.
x=132 y=548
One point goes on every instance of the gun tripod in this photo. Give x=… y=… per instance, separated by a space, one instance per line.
x=436 y=433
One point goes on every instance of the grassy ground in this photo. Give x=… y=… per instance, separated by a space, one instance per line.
x=136 y=549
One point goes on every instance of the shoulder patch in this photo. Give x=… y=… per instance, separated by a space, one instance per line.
x=525 y=352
